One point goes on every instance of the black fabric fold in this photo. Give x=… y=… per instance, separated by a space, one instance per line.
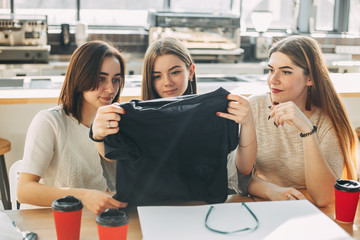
x=173 y=149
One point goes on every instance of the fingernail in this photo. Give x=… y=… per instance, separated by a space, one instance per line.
x=218 y=113
x=275 y=125
x=124 y=111
x=227 y=97
x=276 y=103
x=268 y=117
x=269 y=107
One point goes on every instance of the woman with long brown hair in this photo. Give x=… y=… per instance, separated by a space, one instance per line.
x=57 y=147
x=304 y=134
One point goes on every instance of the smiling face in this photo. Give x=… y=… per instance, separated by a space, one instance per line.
x=170 y=76
x=109 y=84
x=287 y=81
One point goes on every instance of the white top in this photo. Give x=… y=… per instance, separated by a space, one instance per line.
x=280 y=155
x=236 y=181
x=58 y=149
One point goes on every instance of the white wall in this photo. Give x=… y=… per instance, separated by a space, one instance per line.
x=14 y=122
x=352 y=105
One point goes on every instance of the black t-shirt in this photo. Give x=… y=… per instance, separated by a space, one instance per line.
x=173 y=149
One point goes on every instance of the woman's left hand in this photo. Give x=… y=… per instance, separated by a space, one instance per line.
x=289 y=113
x=280 y=193
x=238 y=110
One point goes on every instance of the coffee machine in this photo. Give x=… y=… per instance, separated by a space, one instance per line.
x=23 y=38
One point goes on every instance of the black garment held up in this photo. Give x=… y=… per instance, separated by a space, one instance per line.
x=173 y=149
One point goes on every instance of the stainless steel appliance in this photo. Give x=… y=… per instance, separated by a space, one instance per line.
x=209 y=37
x=23 y=38
x=261 y=21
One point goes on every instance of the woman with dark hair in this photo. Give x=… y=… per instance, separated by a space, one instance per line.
x=169 y=71
x=304 y=133
x=57 y=148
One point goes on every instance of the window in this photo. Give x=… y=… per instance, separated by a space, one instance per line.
x=325 y=15
x=5 y=7
x=58 y=12
x=318 y=15
x=111 y=13
x=354 y=17
x=93 y=12
x=281 y=12
x=222 y=6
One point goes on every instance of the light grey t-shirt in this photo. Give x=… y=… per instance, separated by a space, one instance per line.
x=280 y=155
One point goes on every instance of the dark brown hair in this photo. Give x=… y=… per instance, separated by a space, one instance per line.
x=161 y=47
x=83 y=74
x=306 y=53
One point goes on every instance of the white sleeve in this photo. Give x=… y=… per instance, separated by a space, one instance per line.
x=236 y=181
x=40 y=143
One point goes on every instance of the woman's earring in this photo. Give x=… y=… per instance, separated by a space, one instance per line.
x=308 y=100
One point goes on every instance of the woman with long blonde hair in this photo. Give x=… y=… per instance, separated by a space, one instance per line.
x=304 y=134
x=166 y=47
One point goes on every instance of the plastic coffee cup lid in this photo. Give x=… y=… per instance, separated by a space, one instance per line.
x=67 y=204
x=112 y=218
x=347 y=185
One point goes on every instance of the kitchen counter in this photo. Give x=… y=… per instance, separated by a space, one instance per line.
x=47 y=89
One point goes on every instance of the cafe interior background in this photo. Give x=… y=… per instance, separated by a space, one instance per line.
x=228 y=39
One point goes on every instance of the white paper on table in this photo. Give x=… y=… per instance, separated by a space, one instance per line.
x=7 y=230
x=277 y=220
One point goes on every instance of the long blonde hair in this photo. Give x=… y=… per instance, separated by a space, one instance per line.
x=161 y=47
x=306 y=53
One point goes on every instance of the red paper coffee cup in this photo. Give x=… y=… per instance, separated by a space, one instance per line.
x=346 y=200
x=67 y=215
x=112 y=224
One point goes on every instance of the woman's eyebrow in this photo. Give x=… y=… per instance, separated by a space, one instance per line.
x=104 y=73
x=176 y=66
x=283 y=67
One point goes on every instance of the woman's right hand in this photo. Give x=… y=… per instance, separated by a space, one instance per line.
x=106 y=121
x=97 y=201
x=32 y=192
